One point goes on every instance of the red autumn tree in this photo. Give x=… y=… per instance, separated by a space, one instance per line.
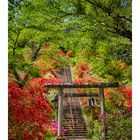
x=29 y=110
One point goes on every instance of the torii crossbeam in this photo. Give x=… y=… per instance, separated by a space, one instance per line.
x=81 y=85
x=101 y=87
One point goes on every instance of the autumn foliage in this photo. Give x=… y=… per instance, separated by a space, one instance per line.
x=29 y=110
x=128 y=92
x=83 y=76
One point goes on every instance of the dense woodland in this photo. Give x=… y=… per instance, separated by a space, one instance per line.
x=93 y=37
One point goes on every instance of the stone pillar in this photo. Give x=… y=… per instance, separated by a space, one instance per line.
x=60 y=112
x=103 y=119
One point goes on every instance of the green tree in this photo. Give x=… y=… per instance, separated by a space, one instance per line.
x=98 y=32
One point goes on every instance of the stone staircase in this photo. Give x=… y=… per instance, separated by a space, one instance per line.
x=75 y=125
x=73 y=120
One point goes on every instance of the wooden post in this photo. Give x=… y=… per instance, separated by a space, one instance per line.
x=92 y=113
x=92 y=110
x=103 y=119
x=60 y=112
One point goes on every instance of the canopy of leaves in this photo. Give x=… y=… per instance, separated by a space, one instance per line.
x=97 y=32
x=92 y=36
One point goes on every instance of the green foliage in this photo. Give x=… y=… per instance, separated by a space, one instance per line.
x=94 y=128
x=119 y=120
x=118 y=117
x=97 y=32
x=120 y=128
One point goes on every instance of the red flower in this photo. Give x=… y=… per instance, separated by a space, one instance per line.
x=29 y=109
x=69 y=53
x=43 y=71
x=84 y=101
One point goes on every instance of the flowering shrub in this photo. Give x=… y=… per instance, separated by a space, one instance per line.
x=55 y=128
x=61 y=52
x=84 y=100
x=128 y=93
x=82 y=69
x=57 y=61
x=118 y=115
x=29 y=110
x=123 y=94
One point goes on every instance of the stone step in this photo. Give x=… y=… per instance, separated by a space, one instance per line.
x=72 y=107
x=75 y=134
x=74 y=123
x=73 y=112
x=68 y=119
x=74 y=120
x=81 y=123
x=67 y=107
x=78 y=126
x=83 y=135
x=76 y=138
x=74 y=116
x=76 y=131
x=66 y=116
x=75 y=128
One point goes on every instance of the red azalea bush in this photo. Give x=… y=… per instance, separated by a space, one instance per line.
x=118 y=110
x=29 y=110
x=55 y=62
x=122 y=92
x=128 y=94
x=82 y=69
x=125 y=92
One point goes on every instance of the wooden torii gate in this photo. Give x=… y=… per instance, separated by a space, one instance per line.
x=101 y=87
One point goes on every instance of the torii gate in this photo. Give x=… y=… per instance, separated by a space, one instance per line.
x=101 y=87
